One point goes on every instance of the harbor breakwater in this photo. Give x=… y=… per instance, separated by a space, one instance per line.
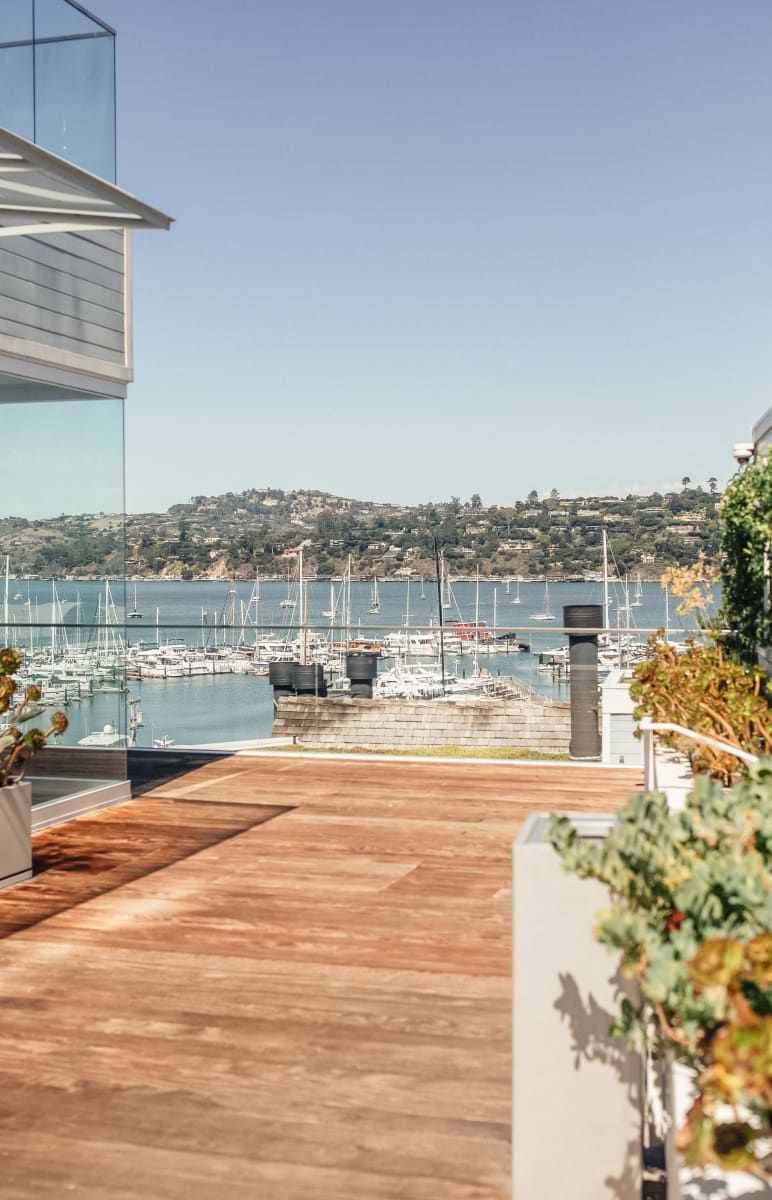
x=349 y=724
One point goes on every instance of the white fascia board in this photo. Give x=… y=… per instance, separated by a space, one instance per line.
x=63 y=198
x=762 y=433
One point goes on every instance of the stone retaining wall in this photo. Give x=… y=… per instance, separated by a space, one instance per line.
x=409 y=724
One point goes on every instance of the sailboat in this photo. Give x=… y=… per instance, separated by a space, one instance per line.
x=547 y=613
x=444 y=583
x=638 y=597
x=135 y=611
x=330 y=611
x=289 y=602
x=375 y=604
x=516 y=597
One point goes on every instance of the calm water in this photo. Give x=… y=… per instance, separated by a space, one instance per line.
x=237 y=707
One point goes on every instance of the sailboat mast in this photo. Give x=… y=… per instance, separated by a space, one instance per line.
x=5 y=602
x=53 y=621
x=477 y=622
x=667 y=614
x=301 y=603
x=606 y=600
x=348 y=602
x=438 y=568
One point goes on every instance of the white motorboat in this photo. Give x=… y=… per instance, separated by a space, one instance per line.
x=108 y=736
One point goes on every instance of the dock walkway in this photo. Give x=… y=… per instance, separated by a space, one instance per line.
x=277 y=978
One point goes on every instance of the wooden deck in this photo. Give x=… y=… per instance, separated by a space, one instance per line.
x=280 y=978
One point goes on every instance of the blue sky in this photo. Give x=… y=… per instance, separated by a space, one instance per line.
x=427 y=249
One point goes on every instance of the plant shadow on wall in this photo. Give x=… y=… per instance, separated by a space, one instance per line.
x=589 y=1024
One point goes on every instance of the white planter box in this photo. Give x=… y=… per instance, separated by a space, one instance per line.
x=15 y=833
x=577 y=1100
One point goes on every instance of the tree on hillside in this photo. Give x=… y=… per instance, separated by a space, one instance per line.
x=533 y=497
x=327 y=524
x=685 y=481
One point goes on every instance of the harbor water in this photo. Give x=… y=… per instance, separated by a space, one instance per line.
x=212 y=615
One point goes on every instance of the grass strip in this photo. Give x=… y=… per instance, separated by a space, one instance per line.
x=504 y=752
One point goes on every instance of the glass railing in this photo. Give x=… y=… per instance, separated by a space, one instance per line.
x=57 y=63
x=173 y=663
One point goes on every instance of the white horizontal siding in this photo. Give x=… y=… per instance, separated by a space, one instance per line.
x=66 y=291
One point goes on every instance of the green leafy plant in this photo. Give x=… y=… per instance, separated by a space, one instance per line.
x=16 y=747
x=704 y=689
x=690 y=917
x=746 y=532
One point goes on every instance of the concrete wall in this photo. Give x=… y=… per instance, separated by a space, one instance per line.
x=409 y=724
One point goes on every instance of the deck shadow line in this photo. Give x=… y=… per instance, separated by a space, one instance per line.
x=69 y=870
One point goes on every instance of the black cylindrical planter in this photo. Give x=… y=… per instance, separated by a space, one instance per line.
x=361 y=667
x=583 y=657
x=280 y=679
x=280 y=674
x=308 y=679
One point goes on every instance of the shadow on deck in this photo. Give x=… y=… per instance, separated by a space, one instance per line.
x=298 y=984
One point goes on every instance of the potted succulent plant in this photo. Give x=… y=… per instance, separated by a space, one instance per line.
x=691 y=918
x=16 y=749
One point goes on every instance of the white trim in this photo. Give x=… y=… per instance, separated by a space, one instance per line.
x=65 y=197
x=762 y=433
x=79 y=803
x=82 y=364
x=128 y=307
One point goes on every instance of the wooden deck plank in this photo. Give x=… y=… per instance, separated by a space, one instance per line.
x=314 y=1006
x=81 y=859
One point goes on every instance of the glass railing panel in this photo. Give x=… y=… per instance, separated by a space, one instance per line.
x=58 y=19
x=198 y=652
x=17 y=99
x=57 y=65
x=61 y=514
x=15 y=22
x=75 y=101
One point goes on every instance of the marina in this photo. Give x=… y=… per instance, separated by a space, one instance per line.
x=195 y=665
